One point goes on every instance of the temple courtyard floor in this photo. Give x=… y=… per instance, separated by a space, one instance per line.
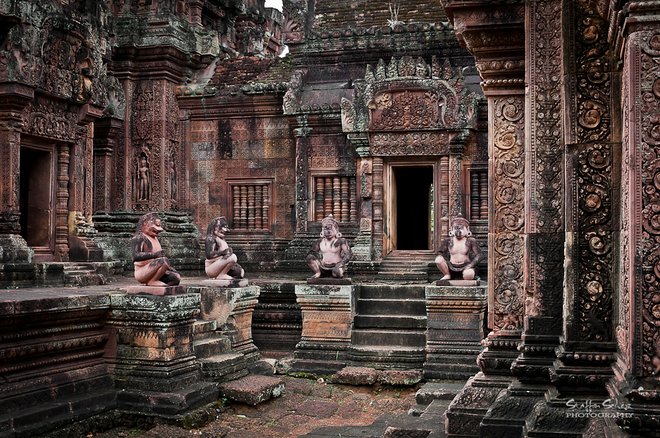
x=310 y=408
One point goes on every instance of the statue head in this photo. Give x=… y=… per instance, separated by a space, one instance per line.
x=329 y=227
x=460 y=228
x=149 y=224
x=217 y=227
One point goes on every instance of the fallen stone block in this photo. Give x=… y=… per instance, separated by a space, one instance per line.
x=356 y=376
x=396 y=432
x=252 y=389
x=400 y=377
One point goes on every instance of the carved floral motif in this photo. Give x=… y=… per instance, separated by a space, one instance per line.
x=649 y=250
x=508 y=210
x=546 y=176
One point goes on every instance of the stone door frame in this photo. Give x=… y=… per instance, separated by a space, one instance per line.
x=47 y=252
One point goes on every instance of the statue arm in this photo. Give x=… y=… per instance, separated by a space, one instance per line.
x=444 y=247
x=315 y=249
x=139 y=245
x=346 y=253
x=475 y=252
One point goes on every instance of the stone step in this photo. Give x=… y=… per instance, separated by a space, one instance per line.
x=224 y=367
x=203 y=329
x=43 y=417
x=445 y=390
x=205 y=348
x=252 y=389
x=391 y=306
x=64 y=385
x=392 y=291
x=403 y=338
x=389 y=321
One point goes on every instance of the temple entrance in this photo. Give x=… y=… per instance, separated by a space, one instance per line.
x=411 y=207
x=36 y=200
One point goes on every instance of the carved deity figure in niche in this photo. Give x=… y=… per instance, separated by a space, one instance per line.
x=143 y=178
x=151 y=266
x=459 y=253
x=331 y=253
x=221 y=262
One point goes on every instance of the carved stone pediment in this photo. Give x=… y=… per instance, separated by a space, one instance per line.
x=409 y=107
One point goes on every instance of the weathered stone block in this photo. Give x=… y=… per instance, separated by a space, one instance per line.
x=253 y=389
x=356 y=376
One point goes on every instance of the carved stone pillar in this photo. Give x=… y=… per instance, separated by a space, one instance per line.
x=13 y=99
x=544 y=189
x=588 y=344
x=62 y=203
x=638 y=324
x=106 y=131
x=495 y=35
x=378 y=205
x=362 y=245
x=302 y=168
x=154 y=151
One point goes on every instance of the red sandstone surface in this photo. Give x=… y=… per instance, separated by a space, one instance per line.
x=305 y=406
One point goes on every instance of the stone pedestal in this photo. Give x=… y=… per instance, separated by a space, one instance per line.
x=150 y=354
x=232 y=309
x=327 y=312
x=455 y=322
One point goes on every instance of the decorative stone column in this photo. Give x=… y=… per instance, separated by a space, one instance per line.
x=300 y=245
x=106 y=132
x=362 y=245
x=455 y=328
x=495 y=36
x=151 y=354
x=13 y=99
x=635 y=386
x=327 y=312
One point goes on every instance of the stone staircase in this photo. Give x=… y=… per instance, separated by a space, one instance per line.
x=213 y=350
x=405 y=267
x=389 y=329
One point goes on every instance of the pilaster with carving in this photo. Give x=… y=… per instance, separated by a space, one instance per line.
x=638 y=327
x=13 y=99
x=106 y=131
x=588 y=334
x=495 y=35
x=544 y=188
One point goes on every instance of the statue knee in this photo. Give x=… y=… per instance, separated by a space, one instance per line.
x=311 y=259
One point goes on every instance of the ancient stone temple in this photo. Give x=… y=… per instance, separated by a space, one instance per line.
x=536 y=121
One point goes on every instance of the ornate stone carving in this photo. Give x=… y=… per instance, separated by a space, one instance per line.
x=411 y=143
x=507 y=212
x=50 y=119
x=546 y=161
x=648 y=238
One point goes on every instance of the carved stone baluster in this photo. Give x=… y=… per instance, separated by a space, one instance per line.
x=327 y=201
x=258 y=207
x=243 y=221
x=352 y=201
x=266 y=206
x=336 y=197
x=236 y=198
x=344 y=199
x=319 y=196
x=250 y=210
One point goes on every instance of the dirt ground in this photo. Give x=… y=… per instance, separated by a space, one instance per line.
x=306 y=405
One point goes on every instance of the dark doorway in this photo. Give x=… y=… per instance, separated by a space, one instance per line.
x=36 y=198
x=413 y=187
